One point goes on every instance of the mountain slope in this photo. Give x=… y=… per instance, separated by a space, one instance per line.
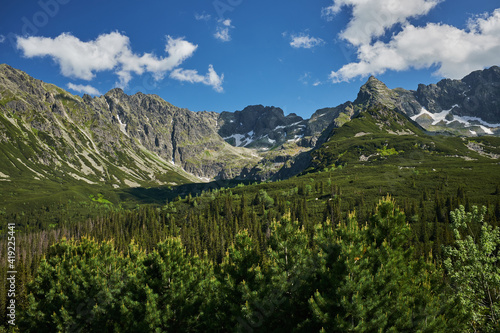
x=142 y=140
x=383 y=136
x=115 y=139
x=470 y=106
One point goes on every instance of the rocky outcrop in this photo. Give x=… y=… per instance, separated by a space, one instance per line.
x=472 y=103
x=470 y=106
x=258 y=126
x=115 y=138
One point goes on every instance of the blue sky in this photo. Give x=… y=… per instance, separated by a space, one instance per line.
x=222 y=55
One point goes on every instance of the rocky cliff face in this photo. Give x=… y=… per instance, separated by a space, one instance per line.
x=260 y=127
x=118 y=139
x=141 y=140
x=476 y=95
x=470 y=106
x=185 y=138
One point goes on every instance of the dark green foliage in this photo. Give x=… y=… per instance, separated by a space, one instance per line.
x=383 y=287
x=354 y=276
x=87 y=286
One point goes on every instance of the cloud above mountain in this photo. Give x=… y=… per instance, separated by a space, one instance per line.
x=192 y=76
x=108 y=52
x=86 y=89
x=372 y=18
x=454 y=51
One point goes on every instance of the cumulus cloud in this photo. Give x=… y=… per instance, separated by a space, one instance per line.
x=178 y=51
x=86 y=89
x=77 y=59
x=454 y=51
x=82 y=60
x=2 y=39
x=371 y=18
x=223 y=30
x=305 y=41
x=189 y=75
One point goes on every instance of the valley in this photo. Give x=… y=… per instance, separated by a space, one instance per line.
x=228 y=197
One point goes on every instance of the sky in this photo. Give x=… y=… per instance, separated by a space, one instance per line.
x=222 y=55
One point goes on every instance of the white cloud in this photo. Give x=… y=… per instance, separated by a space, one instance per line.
x=222 y=34
x=86 y=89
x=454 y=51
x=223 y=30
x=189 y=75
x=371 y=18
x=178 y=51
x=202 y=17
x=109 y=52
x=2 y=39
x=305 y=41
x=76 y=58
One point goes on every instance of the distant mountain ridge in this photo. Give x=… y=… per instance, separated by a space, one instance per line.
x=116 y=139
x=142 y=140
x=260 y=126
x=467 y=107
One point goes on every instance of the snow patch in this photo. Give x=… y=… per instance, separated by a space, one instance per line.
x=465 y=120
x=296 y=138
x=242 y=140
x=123 y=127
x=237 y=137
x=294 y=124
x=269 y=139
x=486 y=130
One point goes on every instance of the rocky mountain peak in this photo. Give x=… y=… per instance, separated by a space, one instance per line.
x=258 y=126
x=117 y=93
x=375 y=92
x=489 y=75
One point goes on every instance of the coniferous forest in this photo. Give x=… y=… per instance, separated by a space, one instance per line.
x=270 y=257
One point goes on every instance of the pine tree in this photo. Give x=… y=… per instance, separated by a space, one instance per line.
x=383 y=287
x=182 y=287
x=239 y=274
x=86 y=286
x=473 y=266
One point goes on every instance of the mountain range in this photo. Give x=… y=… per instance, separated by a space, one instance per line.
x=118 y=140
